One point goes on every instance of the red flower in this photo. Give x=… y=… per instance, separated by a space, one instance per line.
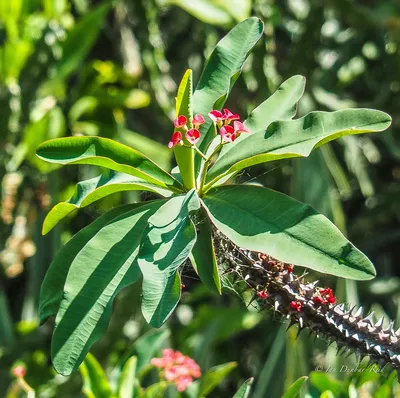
x=296 y=305
x=197 y=121
x=176 y=139
x=327 y=293
x=240 y=128
x=182 y=286
x=193 y=136
x=18 y=371
x=262 y=294
x=228 y=133
x=319 y=300
x=180 y=121
x=177 y=368
x=216 y=116
x=229 y=116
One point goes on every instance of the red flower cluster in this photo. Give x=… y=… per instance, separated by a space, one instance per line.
x=296 y=305
x=324 y=296
x=262 y=294
x=192 y=135
x=177 y=368
x=221 y=119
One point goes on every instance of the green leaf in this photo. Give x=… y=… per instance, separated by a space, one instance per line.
x=146 y=346
x=270 y=222
x=105 y=153
x=295 y=388
x=214 y=12
x=185 y=156
x=89 y=191
x=325 y=382
x=282 y=105
x=52 y=290
x=105 y=265
x=297 y=138
x=213 y=377
x=80 y=40
x=244 y=390
x=126 y=385
x=95 y=383
x=220 y=73
x=203 y=255
x=156 y=390
x=167 y=243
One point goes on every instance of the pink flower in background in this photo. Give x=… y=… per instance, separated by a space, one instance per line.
x=178 y=368
x=240 y=128
x=229 y=116
x=18 y=371
x=227 y=133
x=262 y=294
x=197 y=121
x=193 y=136
x=180 y=121
x=176 y=139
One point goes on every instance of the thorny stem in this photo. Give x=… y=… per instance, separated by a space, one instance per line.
x=276 y=287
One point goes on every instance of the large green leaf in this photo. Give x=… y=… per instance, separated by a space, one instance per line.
x=80 y=40
x=89 y=191
x=282 y=105
x=105 y=265
x=95 y=383
x=244 y=390
x=105 y=153
x=52 y=290
x=270 y=222
x=297 y=138
x=220 y=73
x=203 y=255
x=185 y=156
x=167 y=243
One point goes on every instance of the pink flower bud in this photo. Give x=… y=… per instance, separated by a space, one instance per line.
x=176 y=139
x=197 y=121
x=18 y=371
x=229 y=116
x=240 y=128
x=227 y=133
x=193 y=136
x=180 y=121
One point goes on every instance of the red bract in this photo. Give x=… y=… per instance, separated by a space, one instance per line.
x=228 y=133
x=296 y=305
x=177 y=368
x=18 y=371
x=229 y=116
x=180 y=121
x=240 y=128
x=217 y=117
x=327 y=293
x=176 y=139
x=262 y=294
x=197 y=121
x=193 y=136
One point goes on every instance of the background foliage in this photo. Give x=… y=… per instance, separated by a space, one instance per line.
x=86 y=67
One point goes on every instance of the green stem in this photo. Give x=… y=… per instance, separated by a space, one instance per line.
x=206 y=166
x=200 y=153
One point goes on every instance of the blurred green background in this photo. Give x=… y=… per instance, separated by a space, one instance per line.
x=86 y=67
